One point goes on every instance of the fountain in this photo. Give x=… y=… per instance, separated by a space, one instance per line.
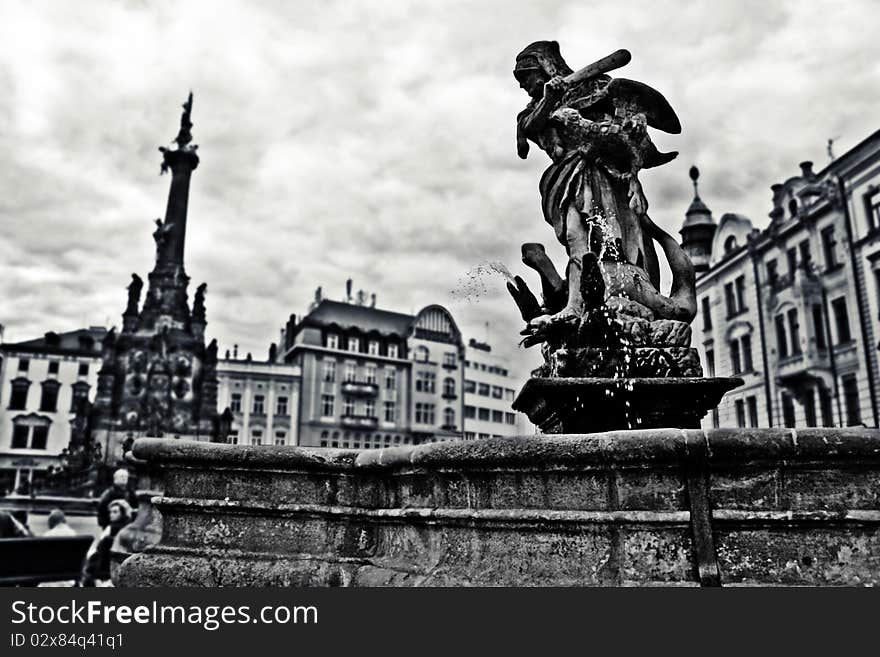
x=623 y=488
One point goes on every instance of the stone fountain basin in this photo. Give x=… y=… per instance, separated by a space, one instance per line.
x=589 y=404
x=646 y=507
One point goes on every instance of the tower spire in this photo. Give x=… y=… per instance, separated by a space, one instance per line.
x=698 y=228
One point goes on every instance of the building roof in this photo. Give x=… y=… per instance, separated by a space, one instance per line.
x=365 y=318
x=82 y=342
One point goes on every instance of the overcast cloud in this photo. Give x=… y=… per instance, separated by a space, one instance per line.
x=373 y=140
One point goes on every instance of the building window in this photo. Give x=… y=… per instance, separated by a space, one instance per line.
x=734 y=357
x=740 y=284
x=825 y=407
x=748 y=366
x=83 y=369
x=350 y=372
x=787 y=410
x=53 y=367
x=390 y=412
x=424 y=413
x=20 y=433
x=332 y=341
x=819 y=327
x=449 y=387
x=740 y=407
x=872 y=209
x=49 y=397
x=281 y=406
x=483 y=389
x=483 y=414
x=772 y=273
x=841 y=320
x=710 y=362
x=470 y=412
x=392 y=351
x=370 y=373
x=257 y=437
x=851 y=400
x=729 y=244
x=781 y=341
x=497 y=392
x=469 y=435
x=794 y=331
x=791 y=256
x=809 y=398
x=422 y=354
x=79 y=393
x=752 y=405
x=370 y=408
x=348 y=406
x=498 y=416
x=280 y=437
x=39 y=436
x=450 y=359
x=509 y=418
x=373 y=347
x=730 y=299
x=259 y=405
x=806 y=256
x=327 y=405
x=232 y=438
x=390 y=379
x=426 y=382
x=470 y=386
x=829 y=247
x=18 y=398
x=235 y=402
x=448 y=418
x=24 y=364
x=707 y=315
x=354 y=344
x=329 y=371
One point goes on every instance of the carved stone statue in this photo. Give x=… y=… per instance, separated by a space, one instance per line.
x=134 y=294
x=594 y=129
x=198 y=311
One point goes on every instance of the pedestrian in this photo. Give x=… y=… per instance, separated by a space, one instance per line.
x=97 y=564
x=58 y=524
x=118 y=491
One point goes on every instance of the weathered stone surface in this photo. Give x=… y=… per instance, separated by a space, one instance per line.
x=795 y=507
x=624 y=306
x=669 y=333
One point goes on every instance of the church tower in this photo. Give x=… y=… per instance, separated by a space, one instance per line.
x=698 y=229
x=158 y=377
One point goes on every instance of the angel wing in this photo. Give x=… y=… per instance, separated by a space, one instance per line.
x=657 y=109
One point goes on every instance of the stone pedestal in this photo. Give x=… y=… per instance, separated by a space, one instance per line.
x=581 y=405
x=651 y=507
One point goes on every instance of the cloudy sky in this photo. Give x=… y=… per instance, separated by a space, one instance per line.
x=373 y=140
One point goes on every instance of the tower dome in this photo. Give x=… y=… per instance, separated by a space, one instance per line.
x=698 y=228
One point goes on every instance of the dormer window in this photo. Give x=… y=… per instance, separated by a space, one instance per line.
x=332 y=341
x=354 y=344
x=730 y=244
x=793 y=207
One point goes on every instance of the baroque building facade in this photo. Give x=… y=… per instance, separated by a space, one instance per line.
x=41 y=382
x=375 y=378
x=794 y=309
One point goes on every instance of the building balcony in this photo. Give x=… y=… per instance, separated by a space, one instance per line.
x=797 y=369
x=360 y=421
x=449 y=396
x=360 y=388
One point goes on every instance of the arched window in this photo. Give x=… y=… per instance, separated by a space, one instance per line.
x=421 y=354
x=448 y=418
x=730 y=244
x=793 y=207
x=449 y=387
